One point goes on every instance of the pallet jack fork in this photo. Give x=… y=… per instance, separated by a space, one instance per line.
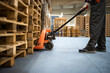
x=46 y=37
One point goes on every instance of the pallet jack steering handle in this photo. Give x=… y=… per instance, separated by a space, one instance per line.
x=69 y=20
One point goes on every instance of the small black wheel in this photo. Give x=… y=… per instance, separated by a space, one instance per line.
x=49 y=46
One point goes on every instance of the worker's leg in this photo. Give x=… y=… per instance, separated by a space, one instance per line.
x=96 y=23
x=95 y=31
x=102 y=40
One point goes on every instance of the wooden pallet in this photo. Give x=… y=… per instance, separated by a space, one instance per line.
x=21 y=37
x=36 y=4
x=32 y=39
x=10 y=61
x=9 y=53
x=22 y=7
x=34 y=27
x=7 y=39
x=10 y=42
x=7 y=50
x=17 y=4
x=27 y=2
x=31 y=44
x=11 y=13
x=39 y=3
x=7 y=61
x=22 y=18
x=8 y=11
x=12 y=3
x=6 y=27
x=32 y=35
x=20 y=53
x=57 y=23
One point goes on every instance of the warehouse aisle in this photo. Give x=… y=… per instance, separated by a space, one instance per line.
x=64 y=58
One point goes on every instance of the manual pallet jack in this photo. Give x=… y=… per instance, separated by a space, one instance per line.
x=46 y=37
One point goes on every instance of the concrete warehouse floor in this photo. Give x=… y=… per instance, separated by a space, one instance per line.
x=64 y=58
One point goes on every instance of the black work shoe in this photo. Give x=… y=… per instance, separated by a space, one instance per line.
x=87 y=50
x=101 y=49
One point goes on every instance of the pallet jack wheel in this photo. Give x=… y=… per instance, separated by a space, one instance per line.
x=49 y=45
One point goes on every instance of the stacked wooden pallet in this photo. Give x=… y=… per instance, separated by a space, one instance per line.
x=107 y=25
x=13 y=29
x=34 y=24
x=87 y=30
x=48 y=23
x=64 y=31
x=87 y=18
x=77 y=32
x=57 y=23
x=68 y=31
x=72 y=30
x=79 y=21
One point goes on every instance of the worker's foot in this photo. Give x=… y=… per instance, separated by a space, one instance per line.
x=100 y=49
x=87 y=50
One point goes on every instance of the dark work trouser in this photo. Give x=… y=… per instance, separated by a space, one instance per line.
x=97 y=25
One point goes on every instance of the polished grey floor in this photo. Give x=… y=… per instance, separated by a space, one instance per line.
x=64 y=58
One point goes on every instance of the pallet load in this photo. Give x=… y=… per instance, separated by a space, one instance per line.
x=34 y=27
x=77 y=32
x=13 y=30
x=68 y=31
x=87 y=18
x=72 y=31
x=64 y=31
x=107 y=25
x=79 y=21
x=57 y=23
